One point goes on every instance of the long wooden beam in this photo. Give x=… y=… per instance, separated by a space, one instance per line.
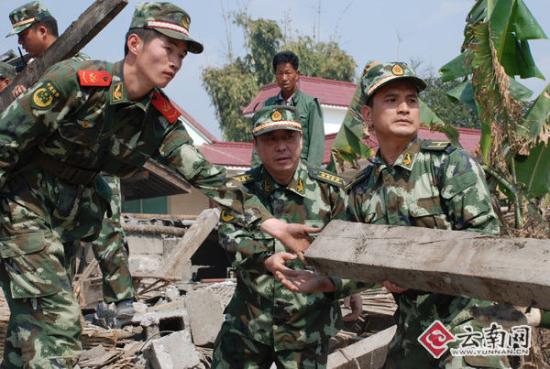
x=462 y=263
x=79 y=33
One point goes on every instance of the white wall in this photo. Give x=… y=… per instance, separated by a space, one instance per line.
x=333 y=117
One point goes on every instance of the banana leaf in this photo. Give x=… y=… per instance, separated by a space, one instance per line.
x=533 y=170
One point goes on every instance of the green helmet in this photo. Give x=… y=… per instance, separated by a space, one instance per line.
x=7 y=70
x=27 y=15
x=168 y=19
x=377 y=75
x=274 y=117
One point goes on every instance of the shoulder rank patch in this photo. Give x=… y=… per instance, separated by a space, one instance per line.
x=44 y=96
x=244 y=178
x=328 y=177
x=94 y=78
x=165 y=107
x=360 y=177
x=435 y=145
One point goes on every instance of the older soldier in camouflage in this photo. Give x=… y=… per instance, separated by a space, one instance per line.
x=82 y=118
x=414 y=182
x=266 y=323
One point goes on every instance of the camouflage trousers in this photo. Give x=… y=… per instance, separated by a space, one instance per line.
x=416 y=314
x=39 y=216
x=112 y=252
x=234 y=350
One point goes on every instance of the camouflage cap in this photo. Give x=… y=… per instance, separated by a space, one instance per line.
x=377 y=75
x=168 y=19
x=27 y=15
x=7 y=70
x=274 y=117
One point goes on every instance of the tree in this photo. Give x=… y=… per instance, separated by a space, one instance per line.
x=232 y=86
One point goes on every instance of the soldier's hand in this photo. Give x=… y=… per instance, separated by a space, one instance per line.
x=304 y=281
x=392 y=287
x=276 y=262
x=294 y=236
x=18 y=90
x=355 y=302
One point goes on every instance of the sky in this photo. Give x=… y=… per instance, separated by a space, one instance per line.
x=430 y=31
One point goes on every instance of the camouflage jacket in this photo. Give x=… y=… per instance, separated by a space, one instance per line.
x=77 y=120
x=313 y=126
x=261 y=307
x=433 y=185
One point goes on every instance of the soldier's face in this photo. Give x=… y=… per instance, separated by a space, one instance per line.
x=4 y=82
x=159 y=59
x=287 y=78
x=279 y=151
x=33 y=40
x=395 y=112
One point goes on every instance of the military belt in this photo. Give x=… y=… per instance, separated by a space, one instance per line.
x=64 y=171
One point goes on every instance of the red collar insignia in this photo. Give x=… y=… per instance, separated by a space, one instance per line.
x=94 y=78
x=165 y=107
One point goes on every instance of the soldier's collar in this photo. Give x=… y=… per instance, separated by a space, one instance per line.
x=118 y=94
x=407 y=157
x=296 y=185
x=405 y=160
x=291 y=99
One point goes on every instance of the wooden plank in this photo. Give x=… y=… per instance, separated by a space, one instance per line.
x=167 y=174
x=191 y=241
x=79 y=33
x=451 y=262
x=369 y=353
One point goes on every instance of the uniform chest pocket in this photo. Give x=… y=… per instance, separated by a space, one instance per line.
x=428 y=213
x=84 y=129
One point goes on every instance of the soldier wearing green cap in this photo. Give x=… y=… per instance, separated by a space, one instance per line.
x=82 y=118
x=7 y=74
x=415 y=182
x=265 y=323
x=37 y=30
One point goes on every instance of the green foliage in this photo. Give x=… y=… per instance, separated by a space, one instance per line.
x=322 y=59
x=233 y=86
x=230 y=88
x=513 y=144
x=533 y=170
x=263 y=40
x=447 y=107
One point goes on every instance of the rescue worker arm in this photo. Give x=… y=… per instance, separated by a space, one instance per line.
x=179 y=152
x=316 y=126
x=29 y=120
x=252 y=245
x=466 y=196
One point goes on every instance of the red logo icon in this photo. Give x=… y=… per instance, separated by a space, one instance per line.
x=435 y=339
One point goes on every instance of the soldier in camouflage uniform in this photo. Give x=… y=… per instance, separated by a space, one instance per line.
x=415 y=182
x=7 y=74
x=82 y=118
x=37 y=31
x=266 y=323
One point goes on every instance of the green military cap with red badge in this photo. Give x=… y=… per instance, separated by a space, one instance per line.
x=168 y=19
x=378 y=74
x=274 y=117
x=27 y=15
